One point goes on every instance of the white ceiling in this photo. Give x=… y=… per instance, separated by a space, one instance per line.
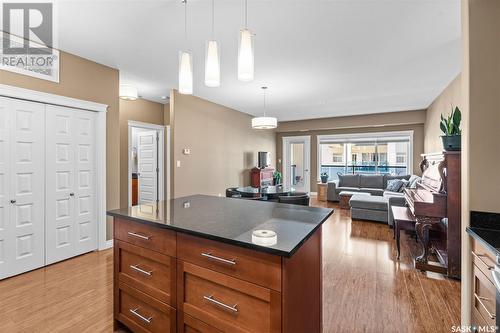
x=320 y=58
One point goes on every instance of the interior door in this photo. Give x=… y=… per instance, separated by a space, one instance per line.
x=147 y=166
x=297 y=163
x=6 y=244
x=85 y=183
x=27 y=182
x=71 y=226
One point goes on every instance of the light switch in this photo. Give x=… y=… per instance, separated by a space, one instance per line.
x=186 y=151
x=178 y=163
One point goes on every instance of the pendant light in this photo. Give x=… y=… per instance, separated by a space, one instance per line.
x=246 y=52
x=264 y=122
x=185 y=63
x=212 y=60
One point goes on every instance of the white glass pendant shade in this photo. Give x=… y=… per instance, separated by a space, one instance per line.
x=185 y=73
x=212 y=64
x=128 y=93
x=264 y=123
x=246 y=56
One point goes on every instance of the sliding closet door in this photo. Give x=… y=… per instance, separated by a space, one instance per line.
x=85 y=183
x=6 y=241
x=27 y=179
x=60 y=162
x=71 y=227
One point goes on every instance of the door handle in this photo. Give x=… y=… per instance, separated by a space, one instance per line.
x=13 y=201
x=72 y=194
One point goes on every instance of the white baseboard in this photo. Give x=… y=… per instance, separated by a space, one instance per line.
x=107 y=245
x=313 y=194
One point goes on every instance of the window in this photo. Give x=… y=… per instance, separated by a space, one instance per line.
x=377 y=153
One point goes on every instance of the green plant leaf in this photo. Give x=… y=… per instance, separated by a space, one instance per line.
x=443 y=127
x=457 y=117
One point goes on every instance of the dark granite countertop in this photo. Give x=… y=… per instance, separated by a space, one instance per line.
x=485 y=227
x=233 y=221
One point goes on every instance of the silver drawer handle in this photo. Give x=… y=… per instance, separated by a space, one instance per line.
x=216 y=302
x=137 y=314
x=480 y=300
x=478 y=257
x=138 y=235
x=136 y=268
x=210 y=256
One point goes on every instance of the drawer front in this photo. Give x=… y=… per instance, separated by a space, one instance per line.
x=227 y=303
x=146 y=236
x=142 y=313
x=188 y=324
x=256 y=267
x=483 y=296
x=150 y=272
x=483 y=258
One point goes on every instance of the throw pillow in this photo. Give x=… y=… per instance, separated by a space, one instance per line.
x=414 y=179
x=394 y=185
x=405 y=184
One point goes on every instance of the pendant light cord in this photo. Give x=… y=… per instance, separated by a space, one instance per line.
x=213 y=19
x=265 y=104
x=246 y=14
x=185 y=20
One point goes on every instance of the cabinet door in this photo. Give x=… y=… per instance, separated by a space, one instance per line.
x=71 y=227
x=27 y=175
x=6 y=241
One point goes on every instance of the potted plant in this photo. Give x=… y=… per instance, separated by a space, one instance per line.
x=451 y=128
x=324 y=177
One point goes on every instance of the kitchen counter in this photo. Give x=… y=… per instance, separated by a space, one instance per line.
x=213 y=264
x=485 y=228
x=232 y=221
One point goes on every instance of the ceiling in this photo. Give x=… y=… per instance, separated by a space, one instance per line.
x=320 y=58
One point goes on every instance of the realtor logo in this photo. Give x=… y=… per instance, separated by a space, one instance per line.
x=29 y=38
x=32 y=22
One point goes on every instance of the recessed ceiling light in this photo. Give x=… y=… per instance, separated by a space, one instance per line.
x=164 y=97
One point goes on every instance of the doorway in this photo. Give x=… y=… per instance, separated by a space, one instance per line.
x=296 y=162
x=146 y=156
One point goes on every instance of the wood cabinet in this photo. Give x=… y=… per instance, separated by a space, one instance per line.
x=165 y=281
x=483 y=290
x=322 y=191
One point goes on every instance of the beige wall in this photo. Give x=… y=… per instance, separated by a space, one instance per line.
x=138 y=110
x=451 y=96
x=384 y=122
x=223 y=146
x=83 y=79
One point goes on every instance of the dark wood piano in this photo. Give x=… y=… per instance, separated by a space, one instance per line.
x=436 y=206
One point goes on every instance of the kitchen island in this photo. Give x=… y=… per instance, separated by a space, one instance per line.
x=212 y=264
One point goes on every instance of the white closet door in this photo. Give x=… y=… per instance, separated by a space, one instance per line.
x=6 y=240
x=27 y=178
x=71 y=227
x=85 y=183
x=147 y=163
x=60 y=163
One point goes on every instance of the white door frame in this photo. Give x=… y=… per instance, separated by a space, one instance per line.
x=161 y=157
x=101 y=109
x=306 y=139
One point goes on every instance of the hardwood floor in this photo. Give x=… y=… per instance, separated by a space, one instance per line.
x=365 y=289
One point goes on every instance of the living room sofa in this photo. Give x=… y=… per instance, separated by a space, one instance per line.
x=375 y=185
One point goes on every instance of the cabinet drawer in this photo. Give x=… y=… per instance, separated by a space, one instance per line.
x=150 y=272
x=227 y=303
x=188 y=324
x=256 y=267
x=483 y=258
x=483 y=296
x=142 y=313
x=146 y=236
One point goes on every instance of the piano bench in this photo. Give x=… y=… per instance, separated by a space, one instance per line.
x=403 y=220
